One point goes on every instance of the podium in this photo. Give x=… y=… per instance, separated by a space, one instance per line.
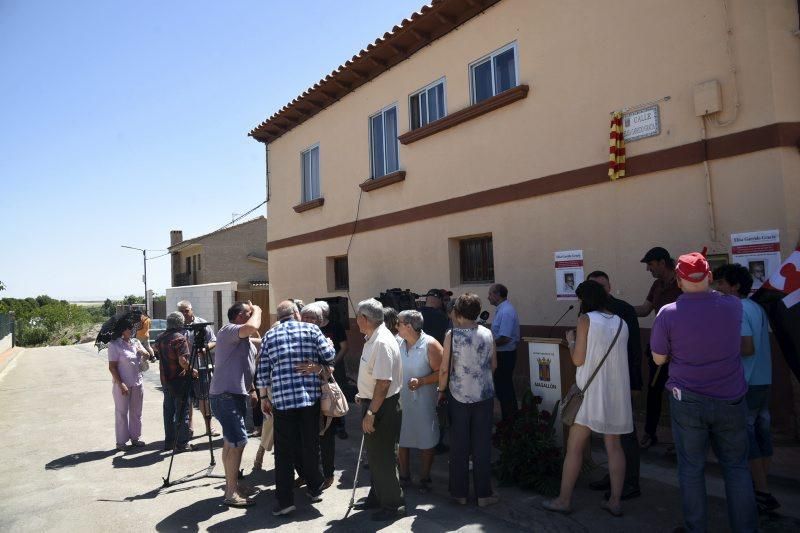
x=552 y=373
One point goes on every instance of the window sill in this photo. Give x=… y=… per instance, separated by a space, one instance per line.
x=383 y=181
x=311 y=204
x=474 y=111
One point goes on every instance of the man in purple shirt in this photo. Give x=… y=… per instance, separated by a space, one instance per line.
x=699 y=335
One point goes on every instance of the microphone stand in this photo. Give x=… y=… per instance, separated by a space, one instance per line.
x=550 y=331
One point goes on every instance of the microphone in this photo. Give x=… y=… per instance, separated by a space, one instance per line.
x=571 y=307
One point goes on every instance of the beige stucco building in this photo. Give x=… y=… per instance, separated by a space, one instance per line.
x=516 y=148
x=236 y=253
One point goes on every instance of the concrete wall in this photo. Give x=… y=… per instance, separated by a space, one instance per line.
x=202 y=298
x=577 y=73
x=6 y=343
x=223 y=255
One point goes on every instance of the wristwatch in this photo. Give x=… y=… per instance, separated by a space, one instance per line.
x=370 y=413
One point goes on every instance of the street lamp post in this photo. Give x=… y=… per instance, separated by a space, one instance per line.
x=144 y=278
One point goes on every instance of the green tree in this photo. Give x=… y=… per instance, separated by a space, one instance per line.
x=2 y=287
x=131 y=299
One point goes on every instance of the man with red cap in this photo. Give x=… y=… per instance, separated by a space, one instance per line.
x=700 y=336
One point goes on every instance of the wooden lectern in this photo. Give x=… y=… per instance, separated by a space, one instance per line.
x=552 y=373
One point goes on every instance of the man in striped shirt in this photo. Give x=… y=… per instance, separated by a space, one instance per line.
x=293 y=354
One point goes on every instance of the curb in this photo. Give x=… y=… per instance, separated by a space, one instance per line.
x=8 y=356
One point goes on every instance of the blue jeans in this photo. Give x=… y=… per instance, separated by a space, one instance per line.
x=230 y=410
x=170 y=409
x=698 y=421
x=759 y=422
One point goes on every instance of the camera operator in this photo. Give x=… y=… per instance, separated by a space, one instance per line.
x=199 y=393
x=173 y=353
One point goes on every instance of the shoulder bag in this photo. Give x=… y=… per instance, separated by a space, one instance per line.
x=574 y=398
x=333 y=403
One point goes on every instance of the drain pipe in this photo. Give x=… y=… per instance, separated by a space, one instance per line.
x=712 y=217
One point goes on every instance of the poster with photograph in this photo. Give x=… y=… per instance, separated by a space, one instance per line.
x=759 y=251
x=569 y=273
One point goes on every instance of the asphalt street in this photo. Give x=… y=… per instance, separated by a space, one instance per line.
x=61 y=472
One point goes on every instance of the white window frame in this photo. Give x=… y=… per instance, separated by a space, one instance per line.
x=490 y=56
x=383 y=137
x=303 y=198
x=443 y=82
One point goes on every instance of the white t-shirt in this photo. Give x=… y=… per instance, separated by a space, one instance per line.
x=380 y=359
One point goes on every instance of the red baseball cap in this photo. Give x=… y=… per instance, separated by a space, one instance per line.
x=692 y=267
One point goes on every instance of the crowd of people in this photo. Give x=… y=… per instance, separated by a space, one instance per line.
x=709 y=348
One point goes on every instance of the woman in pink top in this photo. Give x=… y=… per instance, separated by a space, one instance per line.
x=124 y=360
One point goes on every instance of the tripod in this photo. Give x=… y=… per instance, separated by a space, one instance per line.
x=198 y=360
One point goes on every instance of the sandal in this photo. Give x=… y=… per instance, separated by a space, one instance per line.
x=238 y=501
x=550 y=505
x=613 y=511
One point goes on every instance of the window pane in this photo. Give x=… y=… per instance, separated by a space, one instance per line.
x=377 y=146
x=477 y=260
x=482 y=81
x=340 y=274
x=306 y=177
x=415 y=118
x=390 y=127
x=314 y=156
x=436 y=102
x=504 y=76
x=423 y=108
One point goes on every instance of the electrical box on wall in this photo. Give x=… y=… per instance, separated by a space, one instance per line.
x=707 y=98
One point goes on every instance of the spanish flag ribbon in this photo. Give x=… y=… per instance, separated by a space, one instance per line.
x=616 y=150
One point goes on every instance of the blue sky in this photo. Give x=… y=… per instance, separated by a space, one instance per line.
x=123 y=120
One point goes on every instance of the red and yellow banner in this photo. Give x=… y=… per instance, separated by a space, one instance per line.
x=616 y=150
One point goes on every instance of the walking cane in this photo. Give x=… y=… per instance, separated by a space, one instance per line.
x=355 y=478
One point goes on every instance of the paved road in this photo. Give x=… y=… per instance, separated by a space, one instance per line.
x=62 y=473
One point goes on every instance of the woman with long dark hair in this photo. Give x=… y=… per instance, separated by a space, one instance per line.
x=124 y=362
x=606 y=406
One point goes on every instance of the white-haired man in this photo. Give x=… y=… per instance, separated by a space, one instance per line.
x=199 y=391
x=380 y=377
x=293 y=354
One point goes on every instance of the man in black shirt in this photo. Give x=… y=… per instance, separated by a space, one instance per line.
x=630 y=446
x=434 y=319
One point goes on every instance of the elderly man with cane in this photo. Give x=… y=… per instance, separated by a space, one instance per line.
x=379 y=382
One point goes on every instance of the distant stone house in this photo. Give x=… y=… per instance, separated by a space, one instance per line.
x=237 y=253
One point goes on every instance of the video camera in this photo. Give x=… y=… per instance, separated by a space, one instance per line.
x=399 y=299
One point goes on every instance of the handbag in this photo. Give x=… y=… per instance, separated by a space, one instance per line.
x=332 y=403
x=144 y=364
x=571 y=403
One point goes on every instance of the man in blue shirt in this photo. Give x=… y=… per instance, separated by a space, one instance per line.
x=736 y=280
x=293 y=355
x=505 y=330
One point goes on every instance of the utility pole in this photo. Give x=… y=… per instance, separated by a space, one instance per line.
x=144 y=278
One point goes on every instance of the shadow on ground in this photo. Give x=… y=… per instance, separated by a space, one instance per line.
x=75 y=459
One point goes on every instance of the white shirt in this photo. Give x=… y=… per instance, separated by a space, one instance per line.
x=380 y=359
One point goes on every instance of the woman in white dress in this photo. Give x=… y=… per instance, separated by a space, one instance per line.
x=606 y=406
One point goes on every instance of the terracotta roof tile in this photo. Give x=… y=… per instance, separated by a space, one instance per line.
x=420 y=29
